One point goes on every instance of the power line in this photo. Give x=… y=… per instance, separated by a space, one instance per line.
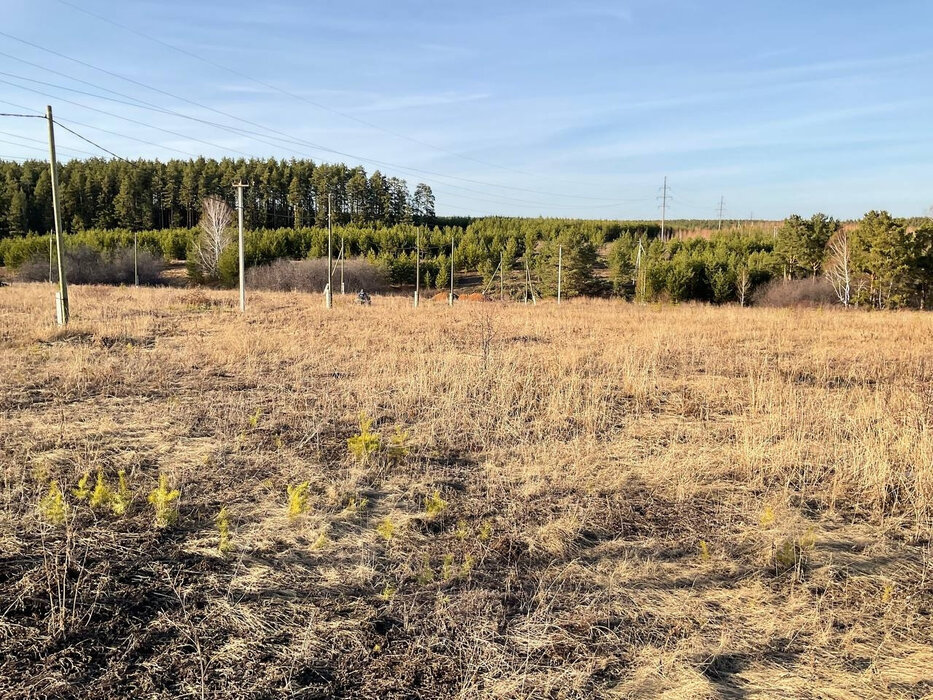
x=115 y=133
x=290 y=94
x=293 y=140
x=237 y=131
x=29 y=146
x=127 y=119
x=60 y=148
x=85 y=138
x=502 y=198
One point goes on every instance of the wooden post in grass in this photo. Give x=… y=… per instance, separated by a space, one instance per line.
x=451 y=298
x=328 y=295
x=560 y=268
x=61 y=299
x=242 y=254
x=417 y=265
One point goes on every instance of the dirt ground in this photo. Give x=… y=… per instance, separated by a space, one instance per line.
x=597 y=500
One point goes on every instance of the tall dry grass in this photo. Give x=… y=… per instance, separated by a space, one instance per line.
x=687 y=500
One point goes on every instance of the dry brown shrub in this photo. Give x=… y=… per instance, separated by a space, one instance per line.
x=311 y=276
x=84 y=265
x=474 y=296
x=808 y=292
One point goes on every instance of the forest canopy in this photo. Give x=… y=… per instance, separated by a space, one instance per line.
x=152 y=195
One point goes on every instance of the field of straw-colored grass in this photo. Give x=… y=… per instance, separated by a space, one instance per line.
x=593 y=500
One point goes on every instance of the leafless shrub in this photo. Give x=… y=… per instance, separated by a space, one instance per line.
x=215 y=235
x=84 y=265
x=311 y=276
x=812 y=291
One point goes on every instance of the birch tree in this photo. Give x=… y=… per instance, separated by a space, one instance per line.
x=838 y=267
x=215 y=235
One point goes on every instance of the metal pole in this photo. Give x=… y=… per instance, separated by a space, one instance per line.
x=417 y=266
x=62 y=311
x=239 y=206
x=451 y=300
x=560 y=268
x=328 y=296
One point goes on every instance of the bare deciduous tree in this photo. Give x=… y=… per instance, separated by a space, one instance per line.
x=215 y=234
x=838 y=266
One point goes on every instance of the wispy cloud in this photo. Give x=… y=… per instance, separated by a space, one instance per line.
x=401 y=102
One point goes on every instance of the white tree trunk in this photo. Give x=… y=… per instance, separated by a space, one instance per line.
x=215 y=235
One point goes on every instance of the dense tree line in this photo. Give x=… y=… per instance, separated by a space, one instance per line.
x=151 y=195
x=879 y=261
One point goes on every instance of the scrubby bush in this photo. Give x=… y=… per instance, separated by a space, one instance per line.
x=85 y=265
x=311 y=276
x=810 y=291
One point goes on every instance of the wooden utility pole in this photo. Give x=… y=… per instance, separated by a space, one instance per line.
x=721 y=202
x=640 y=273
x=451 y=298
x=328 y=295
x=61 y=299
x=135 y=258
x=417 y=265
x=560 y=269
x=239 y=210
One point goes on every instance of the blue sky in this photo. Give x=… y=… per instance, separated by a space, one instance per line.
x=525 y=108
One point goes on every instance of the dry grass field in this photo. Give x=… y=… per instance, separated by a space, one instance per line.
x=598 y=500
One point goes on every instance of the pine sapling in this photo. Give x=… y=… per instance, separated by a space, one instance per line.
x=163 y=502
x=101 y=495
x=121 y=500
x=53 y=507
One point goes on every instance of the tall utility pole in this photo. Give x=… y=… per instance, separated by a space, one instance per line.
x=417 y=265
x=328 y=296
x=61 y=299
x=560 y=269
x=721 y=203
x=239 y=210
x=663 y=206
x=451 y=298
